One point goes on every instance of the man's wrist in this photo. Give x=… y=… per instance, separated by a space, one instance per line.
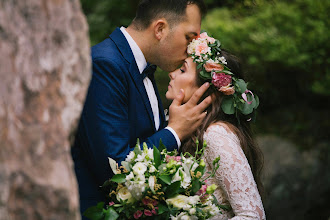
x=175 y=135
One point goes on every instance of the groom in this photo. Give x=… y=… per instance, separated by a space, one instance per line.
x=123 y=103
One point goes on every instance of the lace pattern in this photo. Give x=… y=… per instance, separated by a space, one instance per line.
x=234 y=178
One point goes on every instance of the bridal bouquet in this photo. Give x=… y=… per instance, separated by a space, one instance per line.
x=158 y=184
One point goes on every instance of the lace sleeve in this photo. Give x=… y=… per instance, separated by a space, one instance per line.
x=234 y=176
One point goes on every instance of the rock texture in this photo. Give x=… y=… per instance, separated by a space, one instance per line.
x=297 y=182
x=44 y=74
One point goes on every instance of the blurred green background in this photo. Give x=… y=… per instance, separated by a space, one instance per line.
x=284 y=47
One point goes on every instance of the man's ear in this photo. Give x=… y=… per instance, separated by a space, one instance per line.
x=160 y=28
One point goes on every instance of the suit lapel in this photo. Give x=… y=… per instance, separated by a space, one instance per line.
x=160 y=105
x=138 y=81
x=119 y=39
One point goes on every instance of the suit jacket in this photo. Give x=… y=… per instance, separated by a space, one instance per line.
x=116 y=112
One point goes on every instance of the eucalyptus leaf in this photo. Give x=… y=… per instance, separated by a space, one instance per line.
x=205 y=75
x=227 y=72
x=247 y=108
x=241 y=85
x=227 y=105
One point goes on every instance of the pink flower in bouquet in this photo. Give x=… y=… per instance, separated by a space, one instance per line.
x=138 y=214
x=175 y=158
x=147 y=212
x=202 y=190
x=227 y=90
x=205 y=36
x=221 y=79
x=154 y=211
x=147 y=201
x=201 y=48
x=111 y=203
x=209 y=66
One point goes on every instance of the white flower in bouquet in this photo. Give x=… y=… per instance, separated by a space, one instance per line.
x=125 y=195
x=193 y=200
x=150 y=154
x=182 y=176
x=130 y=176
x=151 y=182
x=178 y=201
x=192 y=211
x=141 y=157
x=152 y=169
x=139 y=168
x=184 y=216
x=156 y=182
x=130 y=157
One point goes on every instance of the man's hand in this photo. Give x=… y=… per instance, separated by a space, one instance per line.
x=184 y=119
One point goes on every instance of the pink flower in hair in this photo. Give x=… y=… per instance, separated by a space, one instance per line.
x=227 y=90
x=201 y=48
x=205 y=36
x=212 y=66
x=221 y=79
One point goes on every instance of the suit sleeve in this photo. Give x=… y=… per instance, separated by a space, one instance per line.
x=105 y=120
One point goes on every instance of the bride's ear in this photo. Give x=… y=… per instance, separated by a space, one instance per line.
x=160 y=28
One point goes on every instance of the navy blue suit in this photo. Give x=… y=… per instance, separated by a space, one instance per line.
x=117 y=111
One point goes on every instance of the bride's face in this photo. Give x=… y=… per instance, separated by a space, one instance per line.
x=183 y=78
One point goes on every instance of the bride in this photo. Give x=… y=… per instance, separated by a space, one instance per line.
x=226 y=128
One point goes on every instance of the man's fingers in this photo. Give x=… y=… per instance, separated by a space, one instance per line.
x=204 y=104
x=179 y=98
x=198 y=94
x=202 y=116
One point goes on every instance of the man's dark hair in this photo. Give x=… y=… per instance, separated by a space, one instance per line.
x=173 y=11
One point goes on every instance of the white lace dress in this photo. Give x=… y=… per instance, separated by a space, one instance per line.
x=236 y=185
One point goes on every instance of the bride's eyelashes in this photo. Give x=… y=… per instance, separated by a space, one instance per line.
x=182 y=70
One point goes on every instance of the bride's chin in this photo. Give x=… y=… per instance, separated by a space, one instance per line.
x=168 y=96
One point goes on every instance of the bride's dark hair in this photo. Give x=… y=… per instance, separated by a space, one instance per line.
x=241 y=128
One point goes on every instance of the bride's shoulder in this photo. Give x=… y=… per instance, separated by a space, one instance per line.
x=221 y=126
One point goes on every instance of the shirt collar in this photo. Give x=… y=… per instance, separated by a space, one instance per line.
x=137 y=53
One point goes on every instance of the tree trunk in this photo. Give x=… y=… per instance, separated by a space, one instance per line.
x=44 y=74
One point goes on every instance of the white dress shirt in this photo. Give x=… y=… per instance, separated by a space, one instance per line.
x=142 y=63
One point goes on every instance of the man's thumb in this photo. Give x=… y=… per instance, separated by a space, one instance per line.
x=179 y=98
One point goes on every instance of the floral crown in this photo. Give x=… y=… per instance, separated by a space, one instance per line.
x=238 y=99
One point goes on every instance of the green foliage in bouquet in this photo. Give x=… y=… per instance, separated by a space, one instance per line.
x=158 y=184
